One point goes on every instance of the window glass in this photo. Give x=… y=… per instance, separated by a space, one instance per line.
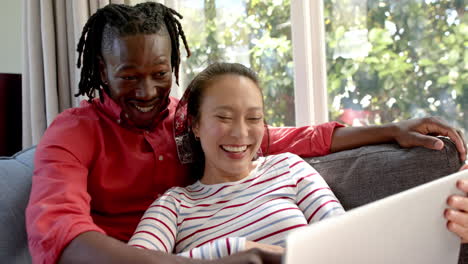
x=393 y=60
x=252 y=32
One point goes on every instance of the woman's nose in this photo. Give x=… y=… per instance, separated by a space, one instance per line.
x=240 y=129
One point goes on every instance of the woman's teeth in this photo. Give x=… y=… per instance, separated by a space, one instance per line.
x=144 y=109
x=234 y=149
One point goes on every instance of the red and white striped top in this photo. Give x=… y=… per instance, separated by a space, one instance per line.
x=210 y=221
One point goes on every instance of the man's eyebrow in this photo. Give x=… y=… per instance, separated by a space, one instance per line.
x=156 y=62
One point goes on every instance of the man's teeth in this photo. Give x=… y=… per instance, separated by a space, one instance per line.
x=144 y=109
x=235 y=149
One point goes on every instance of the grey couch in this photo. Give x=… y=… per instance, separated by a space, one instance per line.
x=357 y=177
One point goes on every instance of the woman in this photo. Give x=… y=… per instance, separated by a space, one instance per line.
x=239 y=197
x=99 y=166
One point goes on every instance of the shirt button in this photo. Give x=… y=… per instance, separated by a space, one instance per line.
x=118 y=121
x=161 y=157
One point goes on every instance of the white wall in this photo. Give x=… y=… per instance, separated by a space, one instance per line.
x=11 y=38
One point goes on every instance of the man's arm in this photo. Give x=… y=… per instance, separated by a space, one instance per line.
x=59 y=204
x=408 y=133
x=94 y=247
x=319 y=140
x=306 y=141
x=353 y=137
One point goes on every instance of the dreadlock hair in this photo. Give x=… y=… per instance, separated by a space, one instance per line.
x=114 y=21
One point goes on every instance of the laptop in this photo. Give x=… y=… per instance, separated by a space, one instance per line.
x=404 y=228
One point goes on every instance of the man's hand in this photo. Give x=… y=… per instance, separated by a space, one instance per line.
x=421 y=132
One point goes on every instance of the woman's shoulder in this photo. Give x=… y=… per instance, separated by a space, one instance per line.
x=277 y=163
x=286 y=161
x=176 y=190
x=283 y=157
x=175 y=194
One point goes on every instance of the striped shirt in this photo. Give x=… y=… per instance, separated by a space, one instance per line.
x=211 y=221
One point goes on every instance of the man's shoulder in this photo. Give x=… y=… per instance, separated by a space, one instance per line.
x=72 y=135
x=86 y=111
x=73 y=123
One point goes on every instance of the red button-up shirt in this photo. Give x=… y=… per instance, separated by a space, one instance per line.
x=94 y=173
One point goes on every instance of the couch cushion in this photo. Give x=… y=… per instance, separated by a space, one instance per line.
x=15 y=185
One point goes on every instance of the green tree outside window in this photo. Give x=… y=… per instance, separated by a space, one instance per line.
x=386 y=60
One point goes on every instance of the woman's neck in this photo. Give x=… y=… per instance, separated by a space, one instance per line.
x=213 y=175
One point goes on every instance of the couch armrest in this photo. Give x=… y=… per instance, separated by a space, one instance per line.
x=15 y=186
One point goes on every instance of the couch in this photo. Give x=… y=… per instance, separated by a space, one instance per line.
x=357 y=177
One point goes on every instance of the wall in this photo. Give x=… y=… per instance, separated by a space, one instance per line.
x=11 y=45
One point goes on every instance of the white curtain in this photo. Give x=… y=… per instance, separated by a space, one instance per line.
x=51 y=31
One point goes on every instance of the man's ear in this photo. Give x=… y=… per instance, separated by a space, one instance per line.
x=103 y=71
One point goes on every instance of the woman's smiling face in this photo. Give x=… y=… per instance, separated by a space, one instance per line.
x=230 y=127
x=137 y=70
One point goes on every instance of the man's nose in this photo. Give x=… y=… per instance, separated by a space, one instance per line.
x=147 y=89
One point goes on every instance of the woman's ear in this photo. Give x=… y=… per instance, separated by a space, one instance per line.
x=195 y=127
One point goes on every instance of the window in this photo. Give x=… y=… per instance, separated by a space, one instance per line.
x=254 y=33
x=359 y=62
x=394 y=60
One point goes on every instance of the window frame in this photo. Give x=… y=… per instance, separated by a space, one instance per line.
x=309 y=60
x=310 y=72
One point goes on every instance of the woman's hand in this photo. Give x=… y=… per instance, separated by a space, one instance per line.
x=457 y=216
x=254 y=253
x=265 y=247
x=421 y=132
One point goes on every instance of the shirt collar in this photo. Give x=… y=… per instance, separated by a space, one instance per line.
x=109 y=106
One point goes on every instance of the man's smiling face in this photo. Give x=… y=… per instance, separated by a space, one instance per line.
x=137 y=70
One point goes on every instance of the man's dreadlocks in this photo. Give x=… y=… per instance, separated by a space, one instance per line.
x=123 y=20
